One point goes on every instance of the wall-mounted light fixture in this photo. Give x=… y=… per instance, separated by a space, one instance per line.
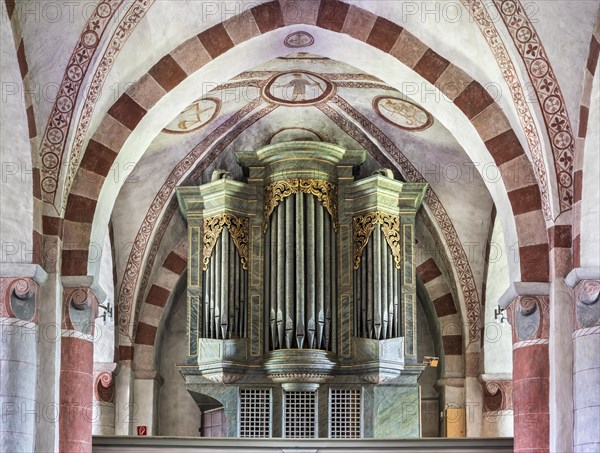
x=107 y=313
x=499 y=315
x=431 y=361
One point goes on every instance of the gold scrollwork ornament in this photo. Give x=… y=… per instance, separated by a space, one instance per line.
x=324 y=191
x=364 y=225
x=238 y=228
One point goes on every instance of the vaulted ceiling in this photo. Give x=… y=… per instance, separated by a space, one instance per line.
x=136 y=98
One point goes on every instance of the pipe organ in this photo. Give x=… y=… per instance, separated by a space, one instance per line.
x=302 y=294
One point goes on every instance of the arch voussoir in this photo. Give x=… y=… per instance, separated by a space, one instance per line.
x=378 y=32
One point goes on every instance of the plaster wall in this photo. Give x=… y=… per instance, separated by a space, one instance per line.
x=429 y=396
x=104 y=332
x=586 y=398
x=590 y=203
x=498 y=424
x=145 y=392
x=103 y=418
x=497 y=345
x=177 y=411
x=50 y=32
x=16 y=196
x=566 y=41
x=18 y=372
x=473 y=406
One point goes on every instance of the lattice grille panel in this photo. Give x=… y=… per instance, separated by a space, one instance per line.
x=300 y=414
x=255 y=413
x=344 y=414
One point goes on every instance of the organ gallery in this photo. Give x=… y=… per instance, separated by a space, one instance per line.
x=299 y=225
x=302 y=296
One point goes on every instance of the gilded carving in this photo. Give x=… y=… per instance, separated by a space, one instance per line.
x=364 y=225
x=274 y=194
x=324 y=191
x=238 y=228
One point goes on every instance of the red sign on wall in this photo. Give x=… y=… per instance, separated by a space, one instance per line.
x=142 y=431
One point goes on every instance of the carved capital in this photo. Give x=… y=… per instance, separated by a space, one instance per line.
x=104 y=387
x=530 y=317
x=497 y=395
x=79 y=309
x=18 y=298
x=587 y=306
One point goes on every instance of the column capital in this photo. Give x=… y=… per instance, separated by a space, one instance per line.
x=104 y=382
x=85 y=282
x=18 y=302
x=148 y=375
x=578 y=274
x=79 y=309
x=24 y=270
x=497 y=392
x=530 y=318
x=520 y=289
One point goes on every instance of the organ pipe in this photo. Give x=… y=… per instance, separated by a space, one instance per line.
x=225 y=290
x=377 y=291
x=299 y=258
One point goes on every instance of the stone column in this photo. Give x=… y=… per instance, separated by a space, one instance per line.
x=145 y=397
x=473 y=391
x=497 y=405
x=124 y=406
x=19 y=407
x=76 y=369
x=586 y=364
x=104 y=400
x=529 y=317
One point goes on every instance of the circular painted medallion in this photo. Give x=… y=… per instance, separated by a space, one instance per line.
x=299 y=39
x=195 y=116
x=402 y=113
x=298 y=88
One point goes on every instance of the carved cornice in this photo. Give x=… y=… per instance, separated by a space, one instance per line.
x=238 y=228
x=364 y=225
x=324 y=191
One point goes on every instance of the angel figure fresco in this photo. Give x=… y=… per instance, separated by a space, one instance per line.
x=299 y=84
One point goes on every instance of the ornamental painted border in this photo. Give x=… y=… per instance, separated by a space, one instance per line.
x=548 y=92
x=55 y=136
x=479 y=13
x=132 y=18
